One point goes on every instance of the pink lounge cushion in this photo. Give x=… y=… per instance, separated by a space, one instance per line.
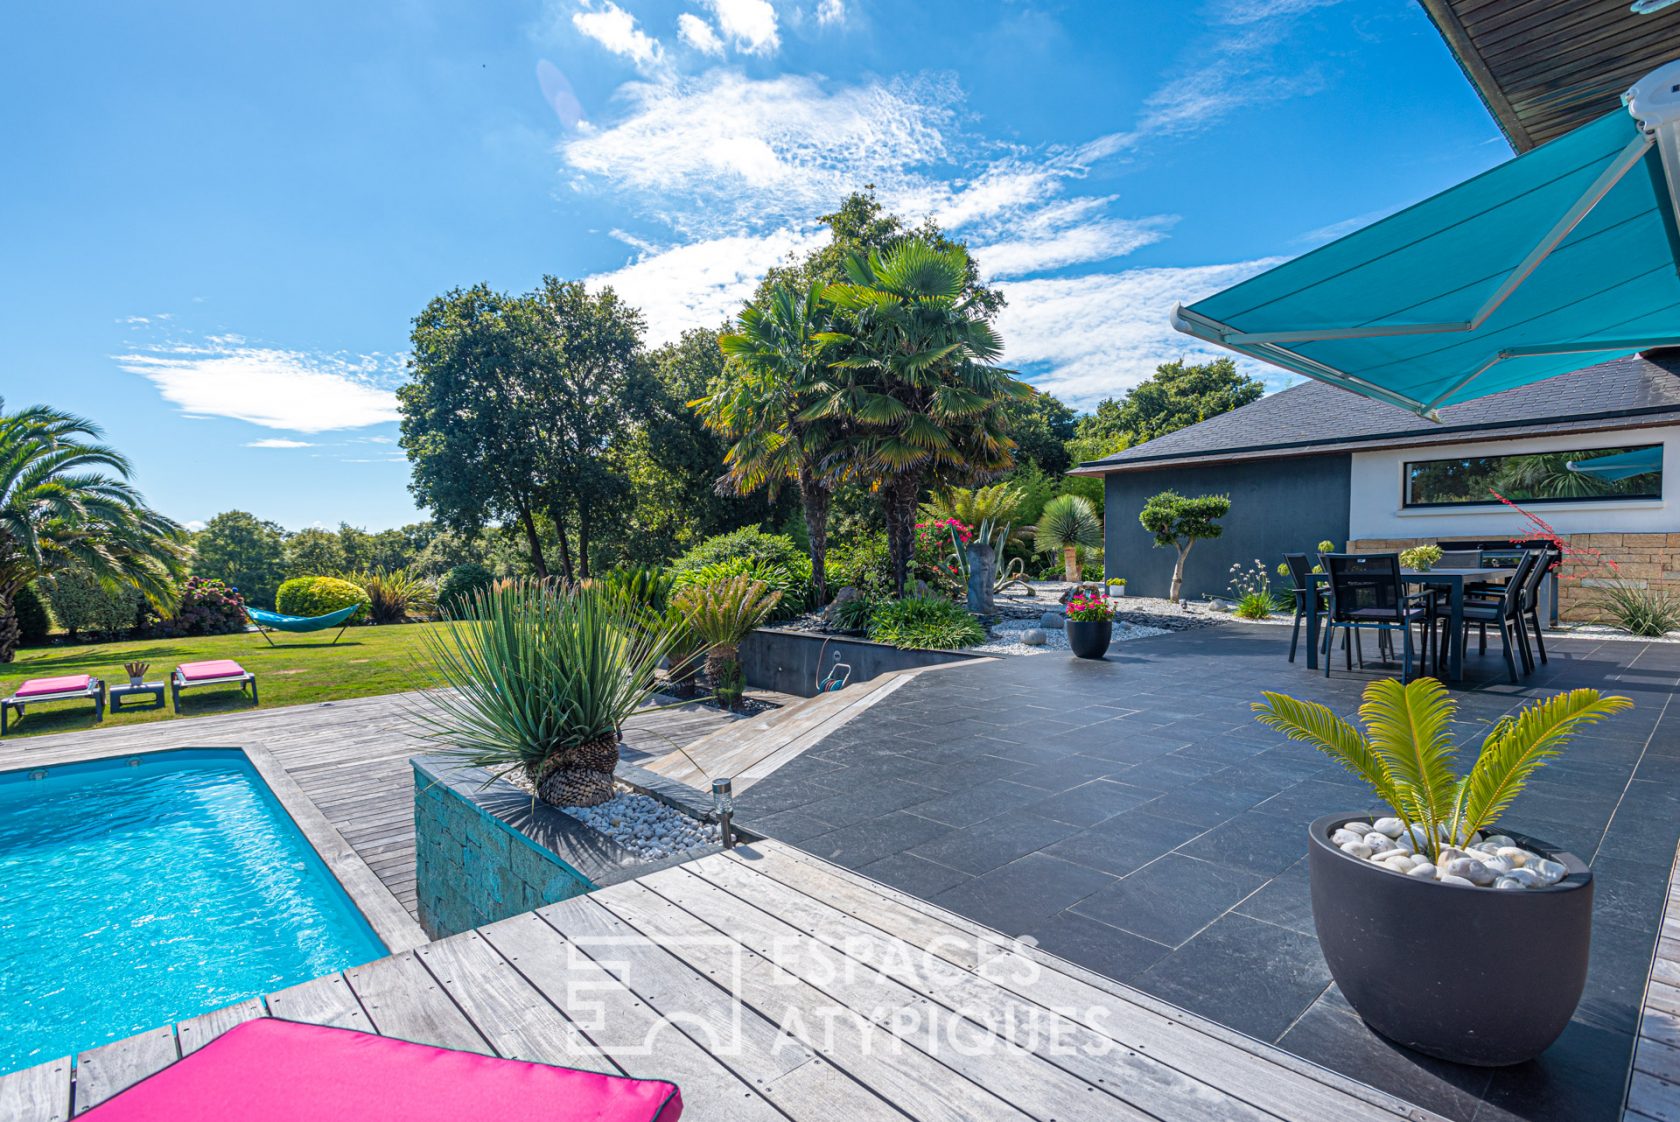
x=270 y=1070
x=37 y=686
x=215 y=668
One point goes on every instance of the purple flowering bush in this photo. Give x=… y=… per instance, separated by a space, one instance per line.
x=207 y=607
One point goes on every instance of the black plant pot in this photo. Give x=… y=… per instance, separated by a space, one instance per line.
x=1473 y=975
x=1089 y=638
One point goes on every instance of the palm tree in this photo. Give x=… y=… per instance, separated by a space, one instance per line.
x=1068 y=523
x=66 y=503
x=759 y=405
x=913 y=379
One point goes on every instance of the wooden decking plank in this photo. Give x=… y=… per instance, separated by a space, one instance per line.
x=321 y=1001
x=1653 y=1098
x=620 y=1024
x=1063 y=1044
x=37 y=1094
x=706 y=1009
x=918 y=1083
x=519 y=1022
x=403 y=1000
x=201 y=1030
x=102 y=1072
x=1263 y=1076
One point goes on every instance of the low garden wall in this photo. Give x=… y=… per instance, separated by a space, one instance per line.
x=794 y=661
x=487 y=850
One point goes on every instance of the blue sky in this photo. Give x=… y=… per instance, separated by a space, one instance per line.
x=219 y=218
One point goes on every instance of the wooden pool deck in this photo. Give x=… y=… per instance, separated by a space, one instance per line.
x=771 y=985
x=349 y=757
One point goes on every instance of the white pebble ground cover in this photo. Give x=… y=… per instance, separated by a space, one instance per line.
x=1006 y=637
x=645 y=826
x=1494 y=862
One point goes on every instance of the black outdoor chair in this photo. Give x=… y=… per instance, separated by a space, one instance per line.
x=1531 y=588
x=1505 y=612
x=1367 y=594
x=1300 y=575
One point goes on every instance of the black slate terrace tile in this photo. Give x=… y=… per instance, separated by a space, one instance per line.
x=1090 y=803
x=1170 y=899
x=1249 y=975
x=997 y=842
x=1110 y=951
x=971 y=805
x=1125 y=842
x=1015 y=897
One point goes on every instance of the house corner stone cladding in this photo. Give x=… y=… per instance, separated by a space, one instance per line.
x=1642 y=560
x=473 y=868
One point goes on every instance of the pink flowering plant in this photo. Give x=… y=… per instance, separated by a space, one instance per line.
x=935 y=563
x=1089 y=607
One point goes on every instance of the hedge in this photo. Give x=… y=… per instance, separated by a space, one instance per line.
x=319 y=596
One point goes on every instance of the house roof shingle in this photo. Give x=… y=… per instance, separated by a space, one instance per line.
x=1314 y=418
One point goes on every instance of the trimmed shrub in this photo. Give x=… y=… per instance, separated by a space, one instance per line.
x=925 y=622
x=460 y=584
x=207 y=607
x=83 y=606
x=34 y=623
x=319 y=596
x=752 y=544
x=863 y=564
x=795 y=589
x=645 y=586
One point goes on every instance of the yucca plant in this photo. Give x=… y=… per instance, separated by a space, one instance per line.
x=1068 y=523
x=1647 y=612
x=394 y=594
x=1406 y=752
x=721 y=614
x=541 y=679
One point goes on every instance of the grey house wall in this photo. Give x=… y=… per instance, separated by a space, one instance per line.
x=1277 y=506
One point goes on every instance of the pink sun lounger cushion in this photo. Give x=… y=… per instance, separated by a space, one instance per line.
x=215 y=668
x=270 y=1070
x=35 y=687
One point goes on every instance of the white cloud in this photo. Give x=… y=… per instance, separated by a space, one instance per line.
x=615 y=29
x=712 y=154
x=277 y=442
x=1091 y=337
x=697 y=33
x=703 y=283
x=278 y=389
x=830 y=11
x=749 y=25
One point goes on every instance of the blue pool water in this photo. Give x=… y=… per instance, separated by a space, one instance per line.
x=143 y=890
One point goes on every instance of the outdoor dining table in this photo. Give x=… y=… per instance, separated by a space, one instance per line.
x=1453 y=581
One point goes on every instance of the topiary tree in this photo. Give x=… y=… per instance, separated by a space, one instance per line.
x=1181 y=522
x=1069 y=524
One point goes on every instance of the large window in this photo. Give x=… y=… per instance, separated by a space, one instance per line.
x=1585 y=475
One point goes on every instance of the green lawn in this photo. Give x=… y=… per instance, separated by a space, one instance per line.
x=299 y=670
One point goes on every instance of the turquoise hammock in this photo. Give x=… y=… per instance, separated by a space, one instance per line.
x=274 y=621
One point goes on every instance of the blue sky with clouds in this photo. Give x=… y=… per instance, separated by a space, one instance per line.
x=219 y=218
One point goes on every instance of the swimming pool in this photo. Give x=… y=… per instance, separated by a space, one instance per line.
x=141 y=890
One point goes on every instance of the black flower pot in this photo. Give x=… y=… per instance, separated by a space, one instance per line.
x=1472 y=975
x=1089 y=638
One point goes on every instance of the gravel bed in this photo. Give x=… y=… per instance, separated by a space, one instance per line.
x=1006 y=637
x=645 y=826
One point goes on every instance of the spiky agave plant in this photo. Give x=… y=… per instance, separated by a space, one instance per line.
x=1406 y=751
x=721 y=614
x=542 y=679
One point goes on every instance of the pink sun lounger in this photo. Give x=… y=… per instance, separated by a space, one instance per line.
x=68 y=687
x=270 y=1070
x=216 y=672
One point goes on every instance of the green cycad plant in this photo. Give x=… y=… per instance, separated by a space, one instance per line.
x=1068 y=523
x=1406 y=752
x=541 y=679
x=720 y=615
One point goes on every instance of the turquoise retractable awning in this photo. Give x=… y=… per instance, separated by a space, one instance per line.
x=1563 y=257
x=1621 y=465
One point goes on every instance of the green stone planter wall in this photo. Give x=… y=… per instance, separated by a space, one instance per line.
x=487 y=851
